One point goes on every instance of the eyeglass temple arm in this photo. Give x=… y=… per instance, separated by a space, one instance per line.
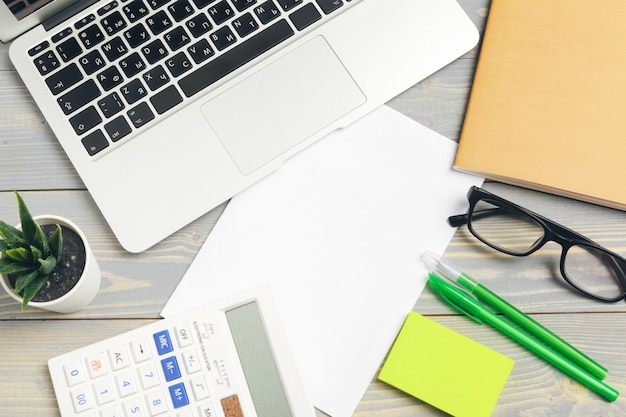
x=461 y=219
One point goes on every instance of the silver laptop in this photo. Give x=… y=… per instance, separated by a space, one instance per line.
x=167 y=108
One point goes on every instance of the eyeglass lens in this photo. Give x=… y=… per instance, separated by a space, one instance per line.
x=505 y=229
x=594 y=271
x=591 y=269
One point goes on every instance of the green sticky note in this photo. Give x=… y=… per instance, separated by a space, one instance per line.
x=445 y=369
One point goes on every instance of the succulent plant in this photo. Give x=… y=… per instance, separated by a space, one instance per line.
x=27 y=254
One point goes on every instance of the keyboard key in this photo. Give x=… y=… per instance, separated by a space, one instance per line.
x=38 y=48
x=132 y=64
x=245 y=25
x=64 y=79
x=133 y=91
x=155 y=4
x=288 y=4
x=113 y=23
x=84 y=21
x=223 y=38
x=242 y=5
x=159 y=23
x=114 y=49
x=117 y=129
x=178 y=64
x=78 y=97
x=107 y=8
x=92 y=62
x=329 y=6
x=221 y=12
x=180 y=10
x=111 y=105
x=91 y=36
x=266 y=12
x=192 y=362
x=95 y=142
x=154 y=51
x=177 y=38
x=140 y=115
x=305 y=16
x=47 y=63
x=166 y=99
x=236 y=57
x=202 y=3
x=110 y=78
x=200 y=51
x=184 y=335
x=69 y=49
x=155 y=78
x=136 y=35
x=85 y=120
x=199 y=25
x=135 y=10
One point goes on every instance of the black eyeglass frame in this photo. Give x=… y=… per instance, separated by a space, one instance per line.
x=553 y=232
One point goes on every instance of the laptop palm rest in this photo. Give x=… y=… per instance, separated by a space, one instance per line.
x=283 y=104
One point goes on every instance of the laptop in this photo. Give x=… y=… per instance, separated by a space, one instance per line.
x=168 y=108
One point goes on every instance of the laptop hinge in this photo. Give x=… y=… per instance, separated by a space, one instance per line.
x=65 y=14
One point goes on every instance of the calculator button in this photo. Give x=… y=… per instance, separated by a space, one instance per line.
x=192 y=362
x=74 y=373
x=81 y=398
x=111 y=412
x=207 y=410
x=148 y=376
x=104 y=392
x=186 y=413
x=96 y=365
x=133 y=407
x=200 y=388
x=119 y=358
x=141 y=349
x=156 y=403
x=171 y=370
x=178 y=394
x=183 y=334
x=126 y=384
x=163 y=342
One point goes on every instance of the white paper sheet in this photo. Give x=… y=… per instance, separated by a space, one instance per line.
x=338 y=232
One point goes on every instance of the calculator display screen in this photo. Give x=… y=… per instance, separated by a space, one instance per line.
x=259 y=367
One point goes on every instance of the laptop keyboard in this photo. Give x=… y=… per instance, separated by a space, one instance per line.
x=122 y=67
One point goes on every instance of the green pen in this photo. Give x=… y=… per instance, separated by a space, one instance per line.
x=469 y=306
x=446 y=270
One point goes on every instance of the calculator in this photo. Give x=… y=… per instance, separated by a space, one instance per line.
x=230 y=358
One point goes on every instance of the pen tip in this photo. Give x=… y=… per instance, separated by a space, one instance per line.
x=431 y=260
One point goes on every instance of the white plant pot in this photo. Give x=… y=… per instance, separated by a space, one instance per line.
x=85 y=289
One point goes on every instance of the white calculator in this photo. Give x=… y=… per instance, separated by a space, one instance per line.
x=230 y=358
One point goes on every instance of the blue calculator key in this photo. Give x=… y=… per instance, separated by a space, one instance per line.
x=171 y=370
x=179 y=395
x=163 y=342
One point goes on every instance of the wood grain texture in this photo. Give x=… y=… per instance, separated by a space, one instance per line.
x=136 y=286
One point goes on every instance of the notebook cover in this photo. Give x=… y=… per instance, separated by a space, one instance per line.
x=547 y=108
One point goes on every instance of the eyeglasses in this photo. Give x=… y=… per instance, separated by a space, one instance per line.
x=514 y=230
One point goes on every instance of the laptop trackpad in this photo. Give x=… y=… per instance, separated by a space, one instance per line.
x=282 y=104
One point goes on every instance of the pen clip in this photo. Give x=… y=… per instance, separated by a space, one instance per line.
x=436 y=282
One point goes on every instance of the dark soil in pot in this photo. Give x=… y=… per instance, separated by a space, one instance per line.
x=68 y=271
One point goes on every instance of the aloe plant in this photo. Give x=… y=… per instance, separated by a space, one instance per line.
x=27 y=254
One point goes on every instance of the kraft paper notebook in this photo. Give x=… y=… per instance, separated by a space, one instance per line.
x=547 y=108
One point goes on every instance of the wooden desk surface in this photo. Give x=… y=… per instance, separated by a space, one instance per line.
x=136 y=286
